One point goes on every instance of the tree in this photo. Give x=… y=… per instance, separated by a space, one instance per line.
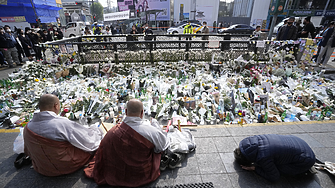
x=98 y=11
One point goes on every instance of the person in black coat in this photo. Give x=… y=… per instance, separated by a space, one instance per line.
x=308 y=30
x=25 y=42
x=270 y=155
x=8 y=49
x=35 y=39
x=288 y=31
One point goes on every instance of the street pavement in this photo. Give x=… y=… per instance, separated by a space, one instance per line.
x=213 y=160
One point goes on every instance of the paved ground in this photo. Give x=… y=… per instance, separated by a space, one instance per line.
x=213 y=160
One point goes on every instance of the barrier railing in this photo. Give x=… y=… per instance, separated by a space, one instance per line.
x=154 y=48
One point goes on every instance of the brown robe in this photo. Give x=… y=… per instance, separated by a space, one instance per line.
x=53 y=158
x=124 y=158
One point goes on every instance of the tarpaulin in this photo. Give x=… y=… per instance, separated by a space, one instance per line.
x=46 y=10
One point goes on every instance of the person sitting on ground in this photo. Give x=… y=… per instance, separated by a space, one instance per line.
x=270 y=155
x=130 y=153
x=55 y=144
x=289 y=31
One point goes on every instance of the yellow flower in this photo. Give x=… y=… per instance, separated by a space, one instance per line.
x=216 y=87
x=36 y=80
x=44 y=79
x=203 y=84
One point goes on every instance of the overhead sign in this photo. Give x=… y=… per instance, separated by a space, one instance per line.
x=301 y=12
x=124 y=15
x=13 y=19
x=277 y=6
x=328 y=13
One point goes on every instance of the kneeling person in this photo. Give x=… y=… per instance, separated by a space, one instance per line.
x=55 y=144
x=271 y=155
x=130 y=153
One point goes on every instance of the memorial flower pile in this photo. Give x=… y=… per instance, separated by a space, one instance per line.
x=238 y=91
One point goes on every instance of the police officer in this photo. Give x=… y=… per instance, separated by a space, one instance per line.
x=188 y=29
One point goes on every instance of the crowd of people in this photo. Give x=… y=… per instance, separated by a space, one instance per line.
x=15 y=43
x=292 y=30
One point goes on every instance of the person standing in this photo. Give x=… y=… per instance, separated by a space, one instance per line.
x=8 y=48
x=298 y=25
x=327 y=45
x=214 y=26
x=87 y=31
x=257 y=32
x=35 y=39
x=188 y=29
x=124 y=28
x=308 y=31
x=205 y=30
x=288 y=32
x=16 y=42
x=26 y=42
x=148 y=34
x=95 y=26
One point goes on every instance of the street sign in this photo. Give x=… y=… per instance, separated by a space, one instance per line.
x=277 y=6
x=301 y=13
x=328 y=13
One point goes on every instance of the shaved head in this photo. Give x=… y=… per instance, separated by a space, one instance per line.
x=49 y=102
x=134 y=108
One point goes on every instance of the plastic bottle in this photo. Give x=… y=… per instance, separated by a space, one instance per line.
x=82 y=120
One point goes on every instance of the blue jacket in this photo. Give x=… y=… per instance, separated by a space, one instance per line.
x=326 y=36
x=6 y=41
x=275 y=154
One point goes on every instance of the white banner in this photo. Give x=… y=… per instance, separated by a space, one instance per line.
x=124 y=15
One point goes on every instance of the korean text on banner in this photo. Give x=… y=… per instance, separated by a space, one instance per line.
x=117 y=16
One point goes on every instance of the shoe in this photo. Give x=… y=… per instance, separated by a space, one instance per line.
x=165 y=160
x=22 y=160
x=312 y=170
x=176 y=159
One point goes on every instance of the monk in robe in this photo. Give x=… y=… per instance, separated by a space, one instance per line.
x=130 y=153
x=55 y=144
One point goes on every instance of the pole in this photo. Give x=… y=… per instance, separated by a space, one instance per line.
x=32 y=4
x=92 y=9
x=274 y=20
x=324 y=10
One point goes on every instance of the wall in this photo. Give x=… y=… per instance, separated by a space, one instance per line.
x=259 y=12
x=242 y=8
x=206 y=10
